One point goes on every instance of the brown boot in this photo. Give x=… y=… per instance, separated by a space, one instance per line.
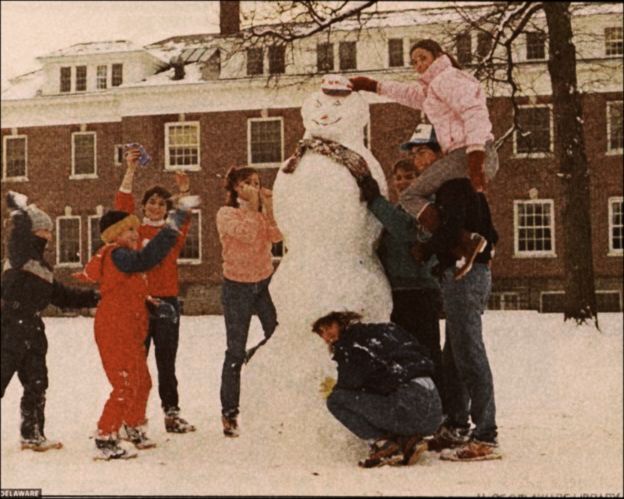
x=230 y=426
x=470 y=245
x=381 y=452
x=413 y=448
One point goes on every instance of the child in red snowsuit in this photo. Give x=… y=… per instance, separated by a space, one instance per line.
x=162 y=282
x=121 y=324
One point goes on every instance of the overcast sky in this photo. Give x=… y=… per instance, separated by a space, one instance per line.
x=34 y=28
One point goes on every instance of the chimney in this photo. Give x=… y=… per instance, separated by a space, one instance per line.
x=229 y=17
x=178 y=68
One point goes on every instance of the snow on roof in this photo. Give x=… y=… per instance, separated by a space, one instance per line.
x=94 y=48
x=192 y=74
x=24 y=86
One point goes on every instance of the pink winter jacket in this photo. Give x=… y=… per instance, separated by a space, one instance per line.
x=453 y=101
x=246 y=237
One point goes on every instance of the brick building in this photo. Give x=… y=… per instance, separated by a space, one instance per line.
x=63 y=127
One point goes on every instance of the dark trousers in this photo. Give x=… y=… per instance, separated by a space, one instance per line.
x=414 y=408
x=164 y=331
x=240 y=302
x=418 y=312
x=24 y=348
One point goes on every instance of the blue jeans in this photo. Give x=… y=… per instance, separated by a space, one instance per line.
x=240 y=301
x=469 y=384
x=415 y=408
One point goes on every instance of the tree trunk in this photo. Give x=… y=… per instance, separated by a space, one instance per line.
x=580 y=296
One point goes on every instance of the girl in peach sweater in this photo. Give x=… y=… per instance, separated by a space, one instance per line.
x=247 y=231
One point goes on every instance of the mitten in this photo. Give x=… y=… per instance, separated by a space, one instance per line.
x=188 y=202
x=363 y=83
x=369 y=188
x=176 y=218
x=476 y=170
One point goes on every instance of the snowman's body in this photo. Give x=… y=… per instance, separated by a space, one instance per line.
x=328 y=231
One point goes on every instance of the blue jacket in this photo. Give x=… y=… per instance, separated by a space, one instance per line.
x=401 y=231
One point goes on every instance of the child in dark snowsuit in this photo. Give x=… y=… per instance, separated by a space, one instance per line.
x=28 y=286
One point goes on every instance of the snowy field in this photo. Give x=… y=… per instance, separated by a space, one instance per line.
x=558 y=395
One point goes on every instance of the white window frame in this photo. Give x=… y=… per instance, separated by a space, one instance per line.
x=526 y=47
x=20 y=178
x=613 y=251
x=605 y=41
x=98 y=77
x=192 y=168
x=551 y=147
x=90 y=221
x=541 y=300
x=619 y=150
x=58 y=241
x=265 y=165
x=79 y=176
x=195 y=261
x=86 y=83
x=533 y=254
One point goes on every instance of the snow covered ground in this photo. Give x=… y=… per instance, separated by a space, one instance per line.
x=558 y=394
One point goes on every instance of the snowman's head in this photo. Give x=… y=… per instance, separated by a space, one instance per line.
x=340 y=117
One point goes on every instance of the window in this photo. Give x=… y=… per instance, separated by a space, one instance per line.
x=463 y=44
x=614 y=127
x=254 y=61
x=535 y=45
x=81 y=78
x=191 y=252
x=95 y=241
x=83 y=154
x=395 y=52
x=484 y=44
x=117 y=75
x=182 y=145
x=613 y=41
x=608 y=301
x=348 y=55
x=68 y=241
x=101 y=77
x=325 y=57
x=118 y=155
x=535 y=134
x=504 y=301
x=265 y=141
x=534 y=225
x=14 y=157
x=277 y=61
x=66 y=79
x=552 y=302
x=616 y=226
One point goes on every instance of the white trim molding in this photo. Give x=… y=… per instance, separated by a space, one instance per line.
x=518 y=253
x=18 y=178
x=80 y=176
x=190 y=167
x=59 y=237
x=612 y=202
x=274 y=164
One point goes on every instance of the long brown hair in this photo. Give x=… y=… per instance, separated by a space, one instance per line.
x=434 y=49
x=233 y=177
x=343 y=319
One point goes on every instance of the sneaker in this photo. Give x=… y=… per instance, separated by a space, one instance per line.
x=470 y=246
x=381 y=452
x=475 y=450
x=137 y=436
x=413 y=447
x=40 y=444
x=230 y=426
x=109 y=448
x=449 y=437
x=175 y=424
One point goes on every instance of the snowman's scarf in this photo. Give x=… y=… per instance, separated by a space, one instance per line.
x=355 y=163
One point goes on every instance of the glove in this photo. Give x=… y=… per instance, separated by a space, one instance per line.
x=476 y=171
x=369 y=188
x=176 y=218
x=327 y=385
x=363 y=83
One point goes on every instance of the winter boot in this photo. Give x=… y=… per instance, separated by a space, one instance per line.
x=413 y=447
x=449 y=437
x=475 y=450
x=470 y=245
x=40 y=444
x=230 y=426
x=136 y=435
x=383 y=451
x=175 y=424
x=108 y=448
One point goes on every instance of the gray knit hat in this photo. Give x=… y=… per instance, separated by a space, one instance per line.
x=40 y=219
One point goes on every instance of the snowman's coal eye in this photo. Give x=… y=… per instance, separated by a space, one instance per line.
x=337 y=103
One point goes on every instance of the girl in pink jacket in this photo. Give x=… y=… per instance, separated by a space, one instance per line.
x=455 y=104
x=247 y=231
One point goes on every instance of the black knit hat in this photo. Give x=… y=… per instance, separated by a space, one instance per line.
x=114 y=222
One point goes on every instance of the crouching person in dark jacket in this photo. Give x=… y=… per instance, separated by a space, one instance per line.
x=28 y=286
x=384 y=392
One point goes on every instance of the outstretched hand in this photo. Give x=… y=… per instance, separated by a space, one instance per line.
x=369 y=188
x=363 y=83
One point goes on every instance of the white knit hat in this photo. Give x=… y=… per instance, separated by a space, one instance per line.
x=39 y=218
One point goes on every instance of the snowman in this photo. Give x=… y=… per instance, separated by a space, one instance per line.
x=330 y=264
x=329 y=233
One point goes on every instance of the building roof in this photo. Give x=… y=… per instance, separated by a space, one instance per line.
x=24 y=86
x=89 y=48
